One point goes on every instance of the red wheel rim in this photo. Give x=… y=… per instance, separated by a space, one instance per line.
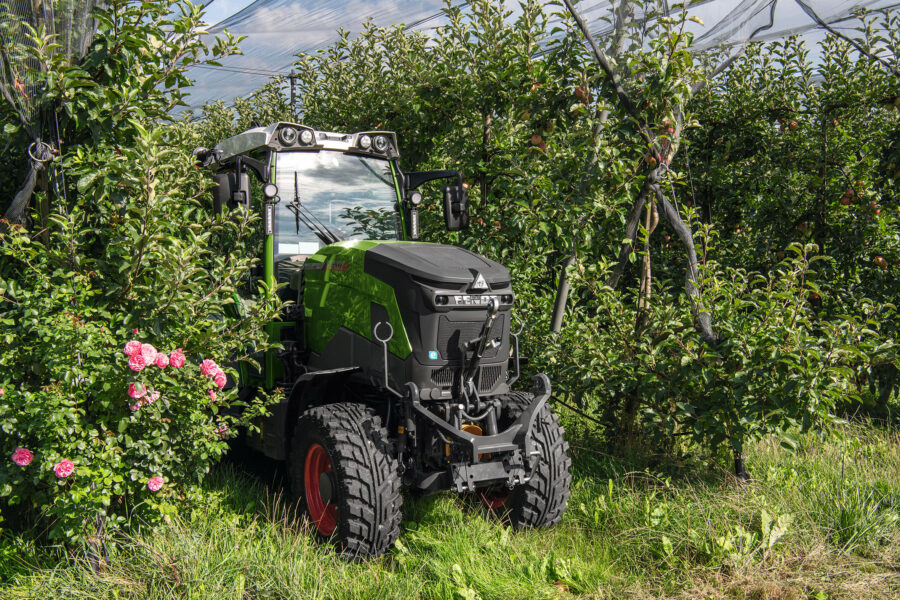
x=322 y=510
x=494 y=499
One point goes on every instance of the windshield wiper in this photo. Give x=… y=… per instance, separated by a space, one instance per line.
x=309 y=219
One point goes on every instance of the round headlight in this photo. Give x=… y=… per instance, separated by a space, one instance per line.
x=270 y=190
x=287 y=136
x=365 y=142
x=380 y=143
x=306 y=136
x=416 y=198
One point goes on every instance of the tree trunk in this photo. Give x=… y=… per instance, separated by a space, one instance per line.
x=650 y=221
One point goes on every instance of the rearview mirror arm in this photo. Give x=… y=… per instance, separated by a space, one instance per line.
x=257 y=166
x=416 y=178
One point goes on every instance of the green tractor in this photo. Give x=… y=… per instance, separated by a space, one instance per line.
x=397 y=361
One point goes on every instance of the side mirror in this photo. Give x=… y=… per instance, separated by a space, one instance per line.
x=456 y=207
x=231 y=191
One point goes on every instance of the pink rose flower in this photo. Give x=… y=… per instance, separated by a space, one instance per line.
x=134 y=331
x=133 y=347
x=137 y=390
x=223 y=428
x=154 y=396
x=176 y=359
x=136 y=362
x=136 y=406
x=208 y=367
x=212 y=395
x=155 y=483
x=149 y=353
x=2 y=391
x=220 y=378
x=64 y=468
x=22 y=457
x=162 y=361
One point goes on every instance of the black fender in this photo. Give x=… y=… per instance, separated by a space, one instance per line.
x=313 y=388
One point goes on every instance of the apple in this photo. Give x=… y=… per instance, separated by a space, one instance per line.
x=846 y=200
x=881 y=262
x=583 y=94
x=793 y=125
x=536 y=139
x=651 y=161
x=873 y=205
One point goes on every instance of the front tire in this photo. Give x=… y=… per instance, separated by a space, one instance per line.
x=542 y=500
x=346 y=476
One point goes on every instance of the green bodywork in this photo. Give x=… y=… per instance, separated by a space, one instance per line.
x=339 y=293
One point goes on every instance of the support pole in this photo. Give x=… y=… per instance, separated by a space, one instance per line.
x=293 y=78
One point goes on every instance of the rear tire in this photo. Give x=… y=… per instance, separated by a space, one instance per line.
x=346 y=476
x=542 y=500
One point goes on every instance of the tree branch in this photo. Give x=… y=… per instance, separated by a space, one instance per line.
x=631 y=227
x=624 y=98
x=16 y=210
x=717 y=71
x=702 y=317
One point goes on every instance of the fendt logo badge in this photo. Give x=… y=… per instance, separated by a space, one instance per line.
x=479 y=283
x=468 y=300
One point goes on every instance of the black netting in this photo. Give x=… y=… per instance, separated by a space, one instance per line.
x=69 y=21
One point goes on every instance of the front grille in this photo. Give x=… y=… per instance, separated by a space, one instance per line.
x=487 y=377
x=453 y=334
x=443 y=376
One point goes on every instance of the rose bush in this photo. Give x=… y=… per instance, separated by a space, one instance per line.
x=110 y=303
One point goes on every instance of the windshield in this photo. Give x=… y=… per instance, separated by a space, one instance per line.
x=352 y=196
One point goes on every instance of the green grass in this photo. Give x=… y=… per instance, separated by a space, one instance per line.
x=822 y=523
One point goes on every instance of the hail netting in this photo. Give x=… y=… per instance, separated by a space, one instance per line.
x=69 y=21
x=277 y=30
x=71 y=26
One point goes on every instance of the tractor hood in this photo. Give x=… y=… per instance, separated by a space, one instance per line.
x=438 y=265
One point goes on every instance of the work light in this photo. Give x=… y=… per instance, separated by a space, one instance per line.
x=287 y=136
